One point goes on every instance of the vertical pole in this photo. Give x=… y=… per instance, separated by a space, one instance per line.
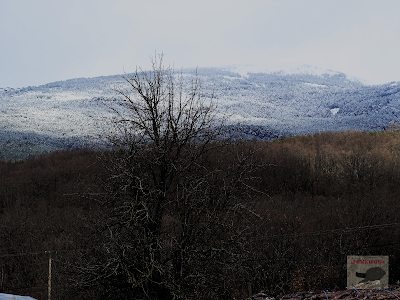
x=2 y=277
x=49 y=282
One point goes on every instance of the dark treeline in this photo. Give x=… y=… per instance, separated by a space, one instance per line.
x=321 y=198
x=40 y=212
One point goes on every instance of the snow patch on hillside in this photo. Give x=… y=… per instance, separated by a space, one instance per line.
x=244 y=70
x=315 y=85
x=334 y=111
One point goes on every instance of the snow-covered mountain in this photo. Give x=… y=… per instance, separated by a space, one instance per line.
x=267 y=103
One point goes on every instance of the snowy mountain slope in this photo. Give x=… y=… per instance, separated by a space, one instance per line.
x=267 y=104
x=301 y=103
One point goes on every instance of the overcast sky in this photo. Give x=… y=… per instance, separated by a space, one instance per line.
x=43 y=41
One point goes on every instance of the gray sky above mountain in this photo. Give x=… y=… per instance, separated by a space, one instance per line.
x=45 y=40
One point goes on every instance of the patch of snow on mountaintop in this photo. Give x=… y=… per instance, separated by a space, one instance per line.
x=8 y=89
x=244 y=70
x=230 y=78
x=315 y=85
x=357 y=79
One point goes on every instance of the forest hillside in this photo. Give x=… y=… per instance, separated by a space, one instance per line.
x=320 y=198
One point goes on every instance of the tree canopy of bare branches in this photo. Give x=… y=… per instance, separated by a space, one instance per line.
x=174 y=225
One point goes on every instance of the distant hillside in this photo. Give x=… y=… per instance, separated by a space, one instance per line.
x=70 y=113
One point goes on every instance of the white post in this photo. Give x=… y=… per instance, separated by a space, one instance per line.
x=49 y=282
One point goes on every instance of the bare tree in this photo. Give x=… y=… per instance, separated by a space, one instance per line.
x=175 y=225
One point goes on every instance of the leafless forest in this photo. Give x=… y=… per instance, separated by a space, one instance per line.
x=316 y=200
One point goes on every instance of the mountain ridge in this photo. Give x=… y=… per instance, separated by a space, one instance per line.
x=267 y=105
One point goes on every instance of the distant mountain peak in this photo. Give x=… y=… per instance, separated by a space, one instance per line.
x=305 y=69
x=245 y=69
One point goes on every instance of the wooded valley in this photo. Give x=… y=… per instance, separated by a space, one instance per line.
x=314 y=200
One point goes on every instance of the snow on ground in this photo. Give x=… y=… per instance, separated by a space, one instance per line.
x=334 y=111
x=244 y=70
x=57 y=114
x=14 y=297
x=315 y=85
